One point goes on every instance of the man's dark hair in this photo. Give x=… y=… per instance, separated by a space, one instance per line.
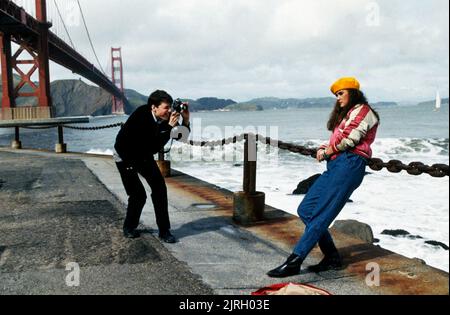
x=159 y=96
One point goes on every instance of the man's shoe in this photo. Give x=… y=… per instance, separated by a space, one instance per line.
x=131 y=233
x=290 y=268
x=167 y=237
x=333 y=262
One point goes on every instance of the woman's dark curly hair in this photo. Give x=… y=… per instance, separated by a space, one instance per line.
x=339 y=113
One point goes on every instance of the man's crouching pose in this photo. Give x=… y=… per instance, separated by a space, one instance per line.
x=144 y=134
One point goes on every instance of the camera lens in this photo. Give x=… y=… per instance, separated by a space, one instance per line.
x=178 y=105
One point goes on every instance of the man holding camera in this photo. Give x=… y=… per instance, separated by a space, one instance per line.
x=144 y=134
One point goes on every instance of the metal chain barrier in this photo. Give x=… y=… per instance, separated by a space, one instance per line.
x=312 y=152
x=222 y=142
x=95 y=128
x=75 y=128
x=414 y=168
x=393 y=166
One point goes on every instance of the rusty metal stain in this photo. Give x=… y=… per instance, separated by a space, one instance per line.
x=409 y=275
x=398 y=282
x=282 y=230
x=224 y=203
x=278 y=229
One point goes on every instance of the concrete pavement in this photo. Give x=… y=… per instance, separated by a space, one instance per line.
x=213 y=255
x=54 y=211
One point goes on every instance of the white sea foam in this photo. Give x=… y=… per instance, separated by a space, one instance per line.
x=100 y=152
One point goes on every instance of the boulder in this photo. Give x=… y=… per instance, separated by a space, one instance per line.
x=305 y=185
x=356 y=229
x=401 y=233
x=396 y=233
x=436 y=243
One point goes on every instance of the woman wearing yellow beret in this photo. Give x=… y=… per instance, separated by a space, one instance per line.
x=353 y=124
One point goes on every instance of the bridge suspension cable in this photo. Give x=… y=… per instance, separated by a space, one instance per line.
x=54 y=15
x=28 y=5
x=64 y=24
x=89 y=37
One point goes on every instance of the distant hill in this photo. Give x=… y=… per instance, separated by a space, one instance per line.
x=212 y=103
x=278 y=103
x=321 y=102
x=433 y=103
x=135 y=98
x=244 y=107
x=77 y=98
x=208 y=103
x=383 y=104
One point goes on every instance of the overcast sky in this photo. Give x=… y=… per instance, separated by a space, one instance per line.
x=244 y=49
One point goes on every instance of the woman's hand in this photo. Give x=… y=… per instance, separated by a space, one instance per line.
x=324 y=154
x=320 y=155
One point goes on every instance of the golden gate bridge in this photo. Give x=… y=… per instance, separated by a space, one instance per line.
x=39 y=32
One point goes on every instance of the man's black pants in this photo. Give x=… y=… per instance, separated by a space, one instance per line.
x=137 y=196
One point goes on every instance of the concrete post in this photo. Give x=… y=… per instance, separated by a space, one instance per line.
x=16 y=144
x=60 y=147
x=248 y=205
x=164 y=166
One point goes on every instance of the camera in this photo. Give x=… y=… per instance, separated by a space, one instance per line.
x=178 y=105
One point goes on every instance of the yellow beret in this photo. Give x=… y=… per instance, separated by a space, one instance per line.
x=345 y=83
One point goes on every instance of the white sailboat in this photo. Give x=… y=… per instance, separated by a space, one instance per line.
x=438 y=102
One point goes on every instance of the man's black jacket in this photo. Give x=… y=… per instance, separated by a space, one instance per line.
x=141 y=136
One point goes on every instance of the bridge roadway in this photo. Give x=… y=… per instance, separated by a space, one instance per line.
x=56 y=209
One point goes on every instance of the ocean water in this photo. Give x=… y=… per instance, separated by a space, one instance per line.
x=385 y=201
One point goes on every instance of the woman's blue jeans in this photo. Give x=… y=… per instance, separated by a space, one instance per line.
x=325 y=200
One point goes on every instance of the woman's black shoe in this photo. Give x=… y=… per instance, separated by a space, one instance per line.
x=333 y=262
x=290 y=268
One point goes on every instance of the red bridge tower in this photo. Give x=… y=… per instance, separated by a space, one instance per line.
x=117 y=79
x=39 y=61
